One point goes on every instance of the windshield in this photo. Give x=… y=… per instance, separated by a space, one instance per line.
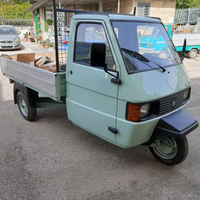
x=147 y=39
x=7 y=31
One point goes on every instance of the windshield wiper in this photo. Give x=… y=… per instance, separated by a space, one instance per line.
x=141 y=57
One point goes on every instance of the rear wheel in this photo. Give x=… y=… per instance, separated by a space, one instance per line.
x=27 y=110
x=170 y=151
x=193 y=54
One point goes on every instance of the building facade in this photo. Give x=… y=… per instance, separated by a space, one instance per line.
x=163 y=9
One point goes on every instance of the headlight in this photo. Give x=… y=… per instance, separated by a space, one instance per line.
x=17 y=39
x=144 y=110
x=135 y=112
x=186 y=94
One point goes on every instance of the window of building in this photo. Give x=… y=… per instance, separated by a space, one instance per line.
x=143 y=9
x=87 y=34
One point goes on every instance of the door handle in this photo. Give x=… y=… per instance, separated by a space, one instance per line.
x=71 y=72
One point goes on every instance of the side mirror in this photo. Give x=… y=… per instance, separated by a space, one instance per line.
x=98 y=55
x=98 y=59
x=183 y=51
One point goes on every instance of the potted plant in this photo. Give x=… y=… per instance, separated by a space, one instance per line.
x=50 y=44
x=39 y=34
x=45 y=44
x=41 y=43
x=25 y=37
x=39 y=31
x=38 y=38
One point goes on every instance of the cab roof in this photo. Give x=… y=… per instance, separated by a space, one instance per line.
x=106 y=15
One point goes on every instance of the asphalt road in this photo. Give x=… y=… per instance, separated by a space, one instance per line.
x=52 y=159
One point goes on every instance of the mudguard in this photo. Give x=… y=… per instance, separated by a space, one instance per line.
x=176 y=125
x=31 y=95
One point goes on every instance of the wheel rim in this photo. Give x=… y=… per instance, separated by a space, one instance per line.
x=167 y=148
x=193 y=54
x=23 y=106
x=163 y=55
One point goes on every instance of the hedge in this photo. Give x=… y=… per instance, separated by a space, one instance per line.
x=18 y=11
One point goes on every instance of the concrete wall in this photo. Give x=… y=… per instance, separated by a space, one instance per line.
x=164 y=9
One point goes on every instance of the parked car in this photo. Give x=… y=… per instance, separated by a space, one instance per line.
x=9 y=38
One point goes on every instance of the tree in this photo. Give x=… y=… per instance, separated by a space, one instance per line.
x=2 y=17
x=18 y=11
x=187 y=4
x=14 y=2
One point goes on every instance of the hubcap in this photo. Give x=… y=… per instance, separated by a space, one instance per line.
x=23 y=106
x=167 y=148
x=163 y=55
x=193 y=54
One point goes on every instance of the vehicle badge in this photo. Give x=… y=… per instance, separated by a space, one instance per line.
x=173 y=103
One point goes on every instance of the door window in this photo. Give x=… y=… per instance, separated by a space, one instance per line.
x=87 y=34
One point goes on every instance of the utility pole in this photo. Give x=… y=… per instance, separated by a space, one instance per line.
x=2 y=17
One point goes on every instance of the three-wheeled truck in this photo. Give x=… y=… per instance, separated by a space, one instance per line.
x=112 y=86
x=153 y=40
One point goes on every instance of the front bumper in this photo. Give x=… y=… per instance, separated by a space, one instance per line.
x=10 y=46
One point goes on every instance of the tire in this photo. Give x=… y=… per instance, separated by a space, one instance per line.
x=192 y=54
x=170 y=151
x=27 y=110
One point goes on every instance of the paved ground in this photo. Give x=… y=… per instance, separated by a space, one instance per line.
x=53 y=159
x=28 y=47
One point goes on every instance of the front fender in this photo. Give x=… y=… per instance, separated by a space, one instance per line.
x=176 y=125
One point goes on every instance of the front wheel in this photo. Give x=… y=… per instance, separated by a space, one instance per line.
x=170 y=151
x=27 y=110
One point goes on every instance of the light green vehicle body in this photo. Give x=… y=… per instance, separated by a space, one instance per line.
x=94 y=103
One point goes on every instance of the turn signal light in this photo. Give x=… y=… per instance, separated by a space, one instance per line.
x=133 y=112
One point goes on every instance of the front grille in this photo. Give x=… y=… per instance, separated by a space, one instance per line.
x=171 y=103
x=6 y=47
x=4 y=42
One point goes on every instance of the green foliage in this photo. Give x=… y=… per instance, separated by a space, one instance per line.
x=49 y=21
x=26 y=34
x=18 y=11
x=187 y=4
x=14 y=2
x=39 y=31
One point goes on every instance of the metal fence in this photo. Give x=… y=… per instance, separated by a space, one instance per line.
x=18 y=23
x=187 y=16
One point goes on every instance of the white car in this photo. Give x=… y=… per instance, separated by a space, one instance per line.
x=9 y=38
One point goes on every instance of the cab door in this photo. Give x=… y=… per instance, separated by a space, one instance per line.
x=91 y=96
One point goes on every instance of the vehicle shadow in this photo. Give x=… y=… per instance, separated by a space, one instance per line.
x=22 y=47
x=14 y=51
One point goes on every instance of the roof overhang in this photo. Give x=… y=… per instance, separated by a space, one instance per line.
x=42 y=3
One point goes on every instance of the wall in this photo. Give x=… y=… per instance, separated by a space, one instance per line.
x=163 y=9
